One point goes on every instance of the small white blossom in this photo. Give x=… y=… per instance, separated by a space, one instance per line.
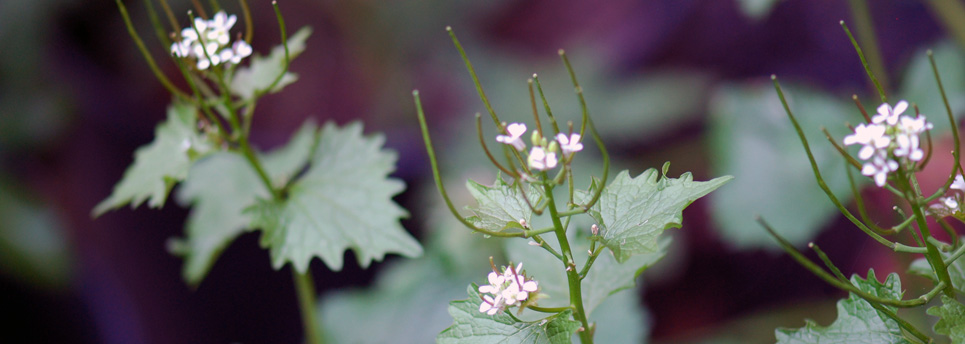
x=908 y=146
x=207 y=41
x=959 y=183
x=508 y=289
x=889 y=115
x=946 y=206
x=569 y=144
x=872 y=138
x=516 y=131
x=879 y=167
x=540 y=159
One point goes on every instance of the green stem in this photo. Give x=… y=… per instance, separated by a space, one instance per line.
x=475 y=79
x=438 y=179
x=832 y=280
x=827 y=191
x=306 y=302
x=866 y=33
x=147 y=55
x=864 y=62
x=933 y=256
x=569 y=264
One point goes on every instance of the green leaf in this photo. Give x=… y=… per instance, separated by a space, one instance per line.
x=262 y=71
x=952 y=322
x=343 y=201
x=607 y=276
x=621 y=319
x=500 y=206
x=160 y=164
x=407 y=305
x=858 y=321
x=220 y=187
x=472 y=326
x=633 y=212
x=752 y=139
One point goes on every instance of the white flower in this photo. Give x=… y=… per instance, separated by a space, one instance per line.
x=879 y=167
x=570 y=144
x=871 y=136
x=240 y=50
x=539 y=159
x=509 y=289
x=207 y=41
x=516 y=131
x=915 y=125
x=888 y=114
x=946 y=206
x=908 y=146
x=959 y=183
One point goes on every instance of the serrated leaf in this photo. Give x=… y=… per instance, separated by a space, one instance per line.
x=286 y=162
x=343 y=201
x=472 y=326
x=952 y=322
x=220 y=188
x=858 y=321
x=752 y=139
x=607 y=276
x=160 y=164
x=500 y=206
x=262 y=71
x=633 y=212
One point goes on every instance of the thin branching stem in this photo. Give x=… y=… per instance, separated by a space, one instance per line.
x=546 y=105
x=576 y=88
x=866 y=32
x=482 y=142
x=956 y=154
x=817 y=174
x=472 y=73
x=284 y=43
x=831 y=279
x=438 y=178
x=532 y=101
x=147 y=54
x=864 y=62
x=249 y=24
x=827 y=262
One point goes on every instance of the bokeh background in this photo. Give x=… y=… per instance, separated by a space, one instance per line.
x=684 y=80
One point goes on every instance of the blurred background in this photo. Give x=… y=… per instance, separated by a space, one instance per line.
x=685 y=81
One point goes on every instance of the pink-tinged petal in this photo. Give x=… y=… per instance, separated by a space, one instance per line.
x=530 y=286
x=881 y=178
x=900 y=107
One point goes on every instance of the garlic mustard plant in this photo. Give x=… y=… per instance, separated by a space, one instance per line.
x=294 y=195
x=892 y=152
x=538 y=204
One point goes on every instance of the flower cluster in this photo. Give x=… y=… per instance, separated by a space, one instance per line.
x=207 y=42
x=507 y=289
x=950 y=205
x=890 y=140
x=543 y=156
